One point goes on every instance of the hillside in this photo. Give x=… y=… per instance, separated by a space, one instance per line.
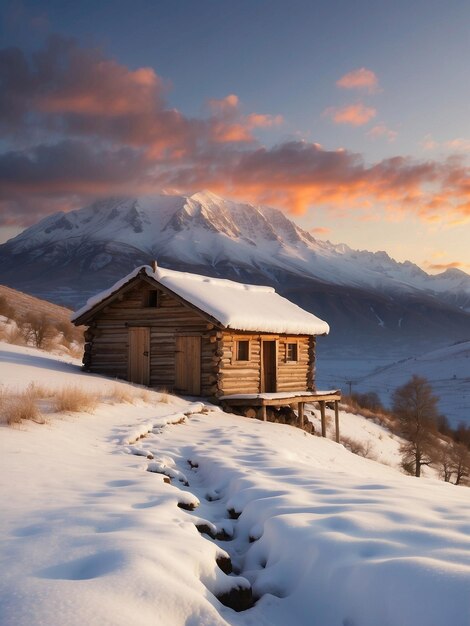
x=368 y=298
x=94 y=535
x=447 y=369
x=29 y=321
x=23 y=303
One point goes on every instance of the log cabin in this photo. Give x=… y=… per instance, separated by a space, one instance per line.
x=200 y=336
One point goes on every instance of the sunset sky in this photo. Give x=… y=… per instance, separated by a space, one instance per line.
x=352 y=117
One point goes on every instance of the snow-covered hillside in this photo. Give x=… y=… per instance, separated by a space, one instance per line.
x=204 y=229
x=91 y=533
x=371 y=302
x=447 y=370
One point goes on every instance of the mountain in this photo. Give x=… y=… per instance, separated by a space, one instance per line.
x=365 y=296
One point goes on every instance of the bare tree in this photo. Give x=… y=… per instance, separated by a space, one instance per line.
x=460 y=463
x=38 y=329
x=445 y=459
x=415 y=406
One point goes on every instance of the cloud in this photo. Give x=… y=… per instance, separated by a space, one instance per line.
x=361 y=78
x=381 y=131
x=444 y=266
x=77 y=125
x=353 y=114
x=320 y=230
x=429 y=143
x=459 y=144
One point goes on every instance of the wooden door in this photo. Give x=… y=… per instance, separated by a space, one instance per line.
x=139 y=355
x=188 y=365
x=269 y=370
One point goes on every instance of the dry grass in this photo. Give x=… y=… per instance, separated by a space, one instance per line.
x=380 y=417
x=164 y=395
x=74 y=399
x=122 y=394
x=356 y=446
x=15 y=408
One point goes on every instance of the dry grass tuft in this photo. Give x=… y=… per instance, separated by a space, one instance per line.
x=121 y=394
x=74 y=399
x=164 y=395
x=14 y=408
x=361 y=448
x=143 y=394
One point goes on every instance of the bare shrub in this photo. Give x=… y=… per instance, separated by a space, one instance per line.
x=74 y=399
x=361 y=448
x=38 y=328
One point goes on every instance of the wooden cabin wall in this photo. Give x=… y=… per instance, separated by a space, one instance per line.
x=238 y=376
x=109 y=338
x=293 y=375
x=245 y=376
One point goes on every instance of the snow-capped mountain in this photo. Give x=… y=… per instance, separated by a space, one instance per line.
x=68 y=256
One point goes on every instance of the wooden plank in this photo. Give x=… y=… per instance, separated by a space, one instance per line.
x=336 y=422
x=188 y=364
x=139 y=356
x=323 y=418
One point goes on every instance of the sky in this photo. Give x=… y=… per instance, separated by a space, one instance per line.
x=352 y=117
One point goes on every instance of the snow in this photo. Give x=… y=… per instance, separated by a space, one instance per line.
x=91 y=534
x=204 y=229
x=279 y=395
x=234 y=305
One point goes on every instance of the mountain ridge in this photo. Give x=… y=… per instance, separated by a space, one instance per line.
x=67 y=257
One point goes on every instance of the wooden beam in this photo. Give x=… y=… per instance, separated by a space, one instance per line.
x=264 y=413
x=301 y=414
x=336 y=422
x=323 y=418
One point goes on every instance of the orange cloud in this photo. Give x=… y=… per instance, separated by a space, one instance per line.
x=444 y=266
x=259 y=120
x=460 y=144
x=93 y=127
x=382 y=131
x=353 y=114
x=361 y=78
x=320 y=230
x=224 y=105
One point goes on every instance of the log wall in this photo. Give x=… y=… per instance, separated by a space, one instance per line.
x=107 y=348
x=245 y=376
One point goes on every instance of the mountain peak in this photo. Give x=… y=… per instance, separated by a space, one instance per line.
x=206 y=196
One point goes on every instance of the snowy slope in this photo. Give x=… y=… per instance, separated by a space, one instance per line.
x=89 y=536
x=370 y=301
x=204 y=229
x=447 y=369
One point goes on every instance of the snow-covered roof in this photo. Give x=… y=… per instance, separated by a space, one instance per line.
x=234 y=305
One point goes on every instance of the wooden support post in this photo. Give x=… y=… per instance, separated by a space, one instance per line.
x=336 y=421
x=323 y=418
x=264 y=413
x=301 y=413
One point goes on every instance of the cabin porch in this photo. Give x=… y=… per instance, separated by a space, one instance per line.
x=298 y=399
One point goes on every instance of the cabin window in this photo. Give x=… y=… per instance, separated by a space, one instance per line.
x=243 y=350
x=152 y=299
x=291 y=352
